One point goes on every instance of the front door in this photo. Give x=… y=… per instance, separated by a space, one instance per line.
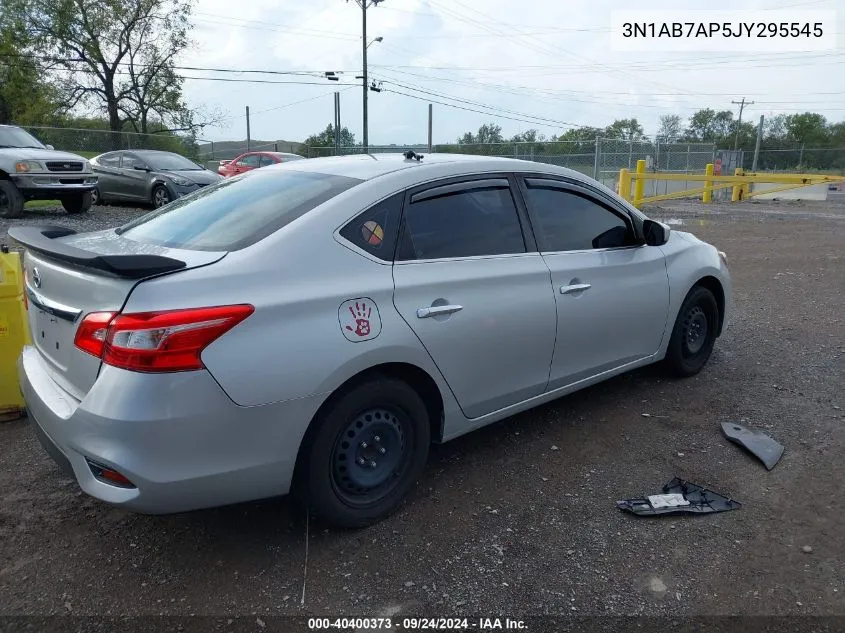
x=135 y=175
x=473 y=293
x=612 y=291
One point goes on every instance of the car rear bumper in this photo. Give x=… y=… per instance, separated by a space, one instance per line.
x=54 y=185
x=177 y=437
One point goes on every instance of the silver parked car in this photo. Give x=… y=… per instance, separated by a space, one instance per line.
x=316 y=325
x=148 y=176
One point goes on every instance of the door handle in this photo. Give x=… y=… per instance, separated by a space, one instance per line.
x=424 y=313
x=568 y=290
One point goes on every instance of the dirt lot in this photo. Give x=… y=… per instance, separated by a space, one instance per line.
x=519 y=518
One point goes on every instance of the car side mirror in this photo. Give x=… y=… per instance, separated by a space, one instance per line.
x=50 y=147
x=655 y=233
x=141 y=167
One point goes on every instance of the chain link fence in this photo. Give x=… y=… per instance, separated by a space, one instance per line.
x=91 y=141
x=795 y=157
x=600 y=158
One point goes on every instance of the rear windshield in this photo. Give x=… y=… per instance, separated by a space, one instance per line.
x=236 y=212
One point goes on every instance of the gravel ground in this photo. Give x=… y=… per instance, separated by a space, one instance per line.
x=519 y=518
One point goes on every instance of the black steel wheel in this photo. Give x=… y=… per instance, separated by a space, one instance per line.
x=694 y=333
x=364 y=453
x=11 y=200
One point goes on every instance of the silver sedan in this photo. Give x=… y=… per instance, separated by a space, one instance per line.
x=315 y=326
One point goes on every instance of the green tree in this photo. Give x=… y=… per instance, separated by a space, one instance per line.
x=626 y=129
x=25 y=96
x=325 y=139
x=671 y=128
x=487 y=133
x=119 y=54
x=809 y=127
x=709 y=126
x=584 y=134
x=529 y=136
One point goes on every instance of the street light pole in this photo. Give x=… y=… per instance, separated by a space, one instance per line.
x=364 y=4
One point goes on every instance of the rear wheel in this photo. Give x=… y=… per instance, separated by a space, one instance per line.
x=11 y=200
x=78 y=203
x=694 y=333
x=161 y=196
x=95 y=197
x=367 y=451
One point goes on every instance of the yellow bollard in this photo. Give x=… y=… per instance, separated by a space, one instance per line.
x=736 y=191
x=14 y=333
x=639 y=185
x=625 y=184
x=707 y=196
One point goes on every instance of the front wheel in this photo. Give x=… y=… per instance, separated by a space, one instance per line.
x=11 y=200
x=161 y=196
x=694 y=333
x=367 y=451
x=77 y=203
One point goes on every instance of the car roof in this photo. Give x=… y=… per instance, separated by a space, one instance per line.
x=150 y=152
x=368 y=166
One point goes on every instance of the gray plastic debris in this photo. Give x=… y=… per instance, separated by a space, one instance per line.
x=679 y=497
x=755 y=442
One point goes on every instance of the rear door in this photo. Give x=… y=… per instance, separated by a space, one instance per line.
x=612 y=291
x=108 y=172
x=471 y=285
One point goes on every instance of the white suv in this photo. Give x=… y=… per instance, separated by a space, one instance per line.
x=30 y=170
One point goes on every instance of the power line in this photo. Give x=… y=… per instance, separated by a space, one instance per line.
x=457 y=107
x=540 y=120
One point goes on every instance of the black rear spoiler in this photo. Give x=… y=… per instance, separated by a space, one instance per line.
x=42 y=239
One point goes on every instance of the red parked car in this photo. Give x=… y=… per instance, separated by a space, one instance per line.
x=253 y=160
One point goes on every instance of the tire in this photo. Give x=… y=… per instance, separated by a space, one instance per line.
x=11 y=200
x=79 y=203
x=161 y=196
x=694 y=333
x=95 y=197
x=382 y=421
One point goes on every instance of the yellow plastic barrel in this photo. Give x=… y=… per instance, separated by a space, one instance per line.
x=14 y=333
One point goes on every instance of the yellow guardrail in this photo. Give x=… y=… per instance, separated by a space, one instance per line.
x=740 y=183
x=14 y=333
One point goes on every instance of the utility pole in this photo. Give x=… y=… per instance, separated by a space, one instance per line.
x=337 y=124
x=757 y=144
x=741 y=105
x=429 y=127
x=247 y=128
x=365 y=4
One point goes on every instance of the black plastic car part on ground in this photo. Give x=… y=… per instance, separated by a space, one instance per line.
x=679 y=497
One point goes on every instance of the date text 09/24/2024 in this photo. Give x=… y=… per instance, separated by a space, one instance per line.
x=416 y=624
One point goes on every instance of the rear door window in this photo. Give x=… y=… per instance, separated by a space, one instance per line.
x=265 y=161
x=473 y=219
x=236 y=212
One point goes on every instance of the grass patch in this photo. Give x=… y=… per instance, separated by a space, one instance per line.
x=38 y=204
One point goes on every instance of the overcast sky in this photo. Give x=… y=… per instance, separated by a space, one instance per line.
x=547 y=62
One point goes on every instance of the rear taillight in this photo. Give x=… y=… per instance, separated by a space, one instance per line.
x=91 y=334
x=157 y=341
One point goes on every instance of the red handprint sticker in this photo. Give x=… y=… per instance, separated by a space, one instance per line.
x=359 y=319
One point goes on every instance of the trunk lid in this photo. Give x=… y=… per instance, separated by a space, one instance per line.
x=68 y=276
